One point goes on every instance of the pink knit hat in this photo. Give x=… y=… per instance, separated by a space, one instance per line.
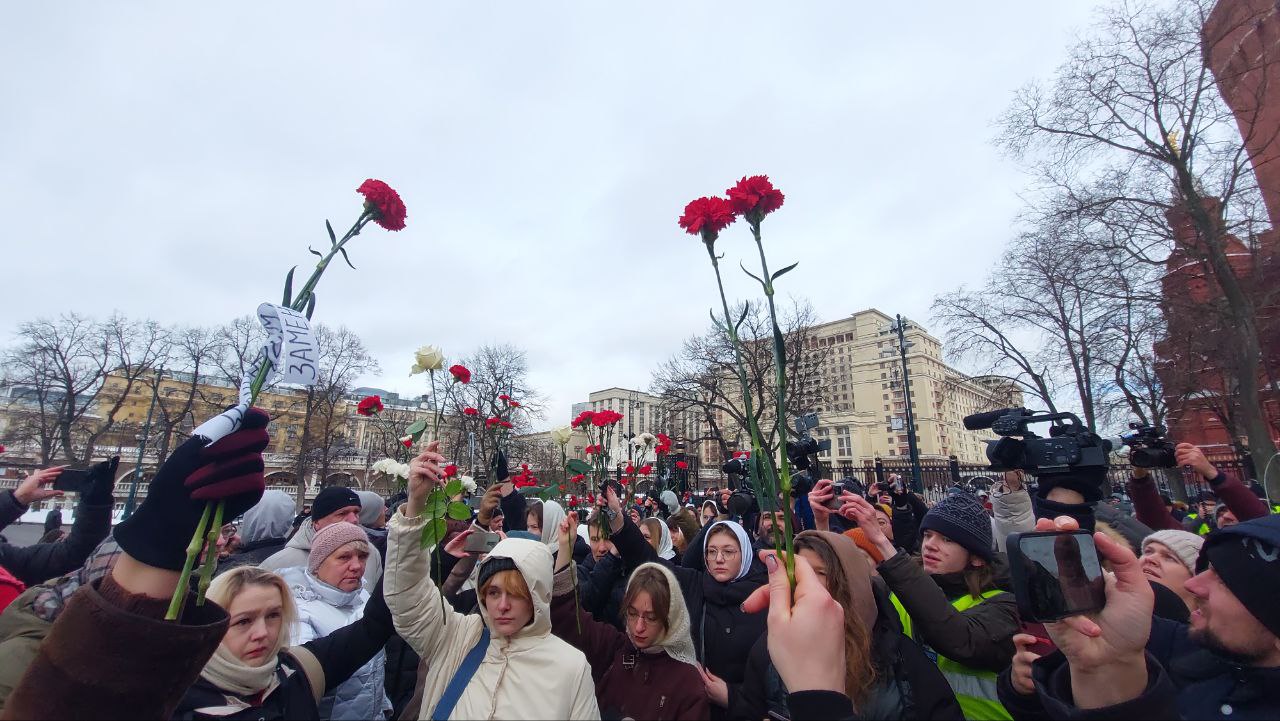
x=330 y=539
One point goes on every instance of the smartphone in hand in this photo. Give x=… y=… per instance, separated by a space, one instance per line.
x=479 y=543
x=72 y=481
x=1055 y=574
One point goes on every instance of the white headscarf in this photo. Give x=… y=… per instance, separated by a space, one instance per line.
x=552 y=515
x=665 y=550
x=744 y=545
x=677 y=641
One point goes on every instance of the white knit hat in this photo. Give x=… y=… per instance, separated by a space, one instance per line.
x=1186 y=546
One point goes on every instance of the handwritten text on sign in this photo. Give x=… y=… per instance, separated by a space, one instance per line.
x=291 y=346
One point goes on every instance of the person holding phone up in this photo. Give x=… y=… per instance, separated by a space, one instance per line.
x=40 y=562
x=1122 y=663
x=949 y=600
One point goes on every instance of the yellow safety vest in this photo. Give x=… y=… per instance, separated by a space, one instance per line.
x=1203 y=530
x=974 y=689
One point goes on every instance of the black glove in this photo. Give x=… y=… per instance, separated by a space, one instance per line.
x=101 y=483
x=231 y=469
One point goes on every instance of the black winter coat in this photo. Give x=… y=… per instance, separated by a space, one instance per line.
x=1184 y=680
x=40 y=562
x=251 y=554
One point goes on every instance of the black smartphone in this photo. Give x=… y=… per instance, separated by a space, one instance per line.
x=72 y=481
x=1055 y=574
x=479 y=542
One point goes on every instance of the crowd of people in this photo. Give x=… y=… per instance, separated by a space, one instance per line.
x=670 y=608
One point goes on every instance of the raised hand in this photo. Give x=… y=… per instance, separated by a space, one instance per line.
x=1189 y=455
x=426 y=471
x=1107 y=652
x=821 y=494
x=32 y=488
x=455 y=546
x=488 y=504
x=806 y=629
x=858 y=509
x=1023 y=657
x=566 y=534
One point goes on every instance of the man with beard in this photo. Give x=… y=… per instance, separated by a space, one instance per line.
x=1225 y=663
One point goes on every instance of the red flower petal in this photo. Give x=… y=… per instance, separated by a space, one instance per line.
x=711 y=214
x=755 y=195
x=382 y=198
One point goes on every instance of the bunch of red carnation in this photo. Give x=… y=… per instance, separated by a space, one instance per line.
x=602 y=419
x=369 y=406
x=496 y=421
x=664 y=444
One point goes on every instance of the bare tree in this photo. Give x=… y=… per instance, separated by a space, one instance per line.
x=702 y=377
x=181 y=396
x=342 y=360
x=1131 y=134
x=496 y=370
x=79 y=372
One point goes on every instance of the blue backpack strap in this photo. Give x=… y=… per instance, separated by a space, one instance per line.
x=461 y=678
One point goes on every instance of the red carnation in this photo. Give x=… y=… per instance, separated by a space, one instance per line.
x=577 y=479
x=755 y=197
x=369 y=406
x=591 y=498
x=505 y=424
x=491 y=422
x=460 y=373
x=681 y=465
x=629 y=469
x=504 y=398
x=707 y=216
x=469 y=411
x=450 y=471
x=563 y=488
x=584 y=418
x=407 y=441
x=514 y=404
x=381 y=198
x=646 y=469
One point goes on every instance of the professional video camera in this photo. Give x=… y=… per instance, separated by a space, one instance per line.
x=803 y=451
x=1071 y=447
x=1148 y=447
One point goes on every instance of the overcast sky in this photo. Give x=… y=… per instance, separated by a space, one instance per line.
x=173 y=160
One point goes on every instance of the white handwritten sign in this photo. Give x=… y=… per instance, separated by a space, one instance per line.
x=291 y=346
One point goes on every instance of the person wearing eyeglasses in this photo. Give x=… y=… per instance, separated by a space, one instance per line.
x=714 y=584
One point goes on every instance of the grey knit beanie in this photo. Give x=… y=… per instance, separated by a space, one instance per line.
x=1186 y=546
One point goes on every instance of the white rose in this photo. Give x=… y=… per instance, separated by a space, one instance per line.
x=427 y=358
x=561 y=435
x=401 y=469
x=645 y=440
x=468 y=484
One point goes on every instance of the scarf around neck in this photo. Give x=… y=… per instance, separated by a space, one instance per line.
x=230 y=674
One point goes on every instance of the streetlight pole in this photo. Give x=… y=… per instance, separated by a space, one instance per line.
x=913 y=447
x=142 y=447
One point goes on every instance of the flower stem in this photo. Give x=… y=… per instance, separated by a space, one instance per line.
x=184 y=580
x=780 y=421
x=210 y=555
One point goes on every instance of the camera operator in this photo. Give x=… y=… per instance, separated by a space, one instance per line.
x=1150 y=509
x=1122 y=663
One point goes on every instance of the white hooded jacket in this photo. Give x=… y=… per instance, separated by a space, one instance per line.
x=531 y=675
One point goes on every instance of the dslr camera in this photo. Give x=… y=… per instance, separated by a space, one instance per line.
x=1148 y=448
x=1069 y=447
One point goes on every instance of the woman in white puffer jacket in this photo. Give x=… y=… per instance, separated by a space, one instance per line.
x=329 y=594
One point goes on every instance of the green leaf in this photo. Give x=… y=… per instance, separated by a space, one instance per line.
x=459 y=512
x=311 y=305
x=344 y=257
x=333 y=239
x=417 y=426
x=433 y=533
x=577 y=465
x=288 y=287
x=315 y=252
x=533 y=490
x=787 y=269
x=753 y=275
x=453 y=488
x=437 y=504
